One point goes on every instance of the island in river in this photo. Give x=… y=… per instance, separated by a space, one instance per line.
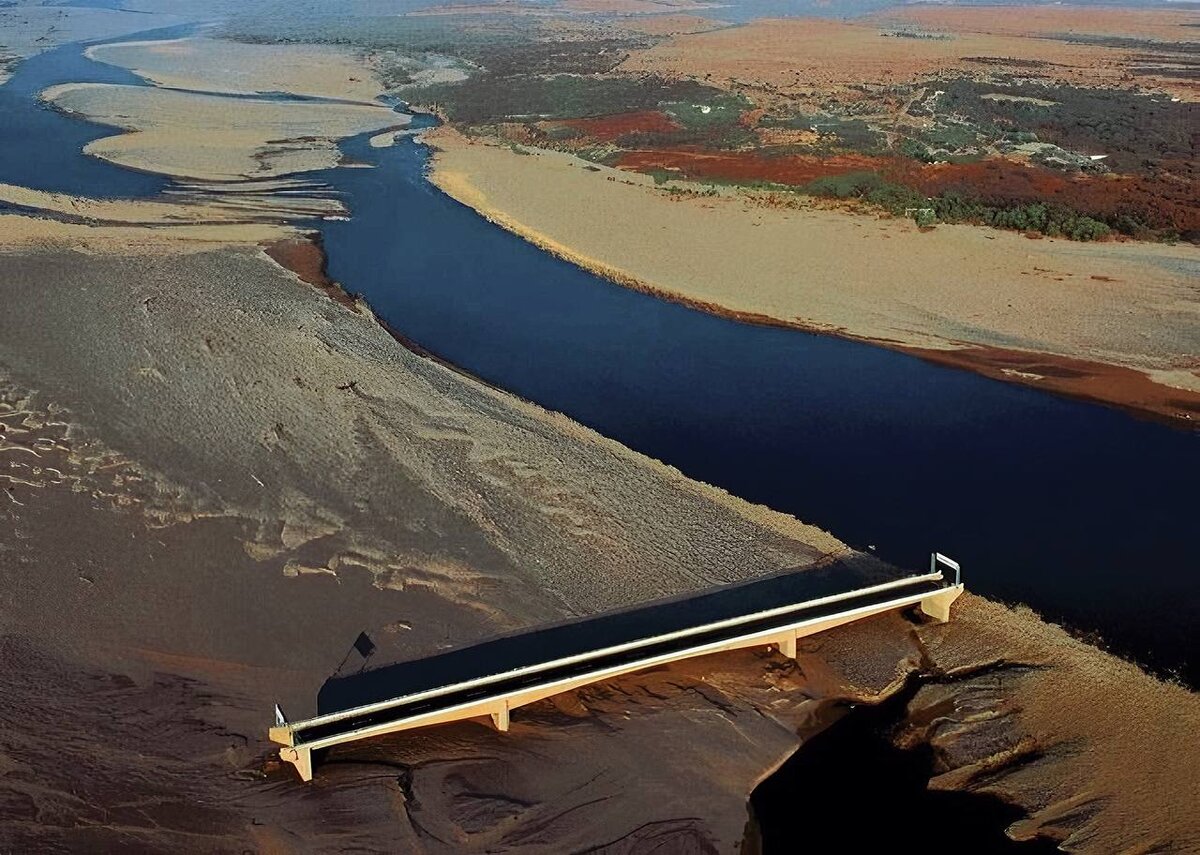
x=252 y=473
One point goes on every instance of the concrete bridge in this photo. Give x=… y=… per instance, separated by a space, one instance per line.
x=494 y=677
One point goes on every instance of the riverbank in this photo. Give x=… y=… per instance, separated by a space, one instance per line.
x=339 y=473
x=1007 y=707
x=1114 y=323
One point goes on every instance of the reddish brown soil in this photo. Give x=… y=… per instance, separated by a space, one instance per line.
x=306 y=258
x=1161 y=203
x=1076 y=378
x=609 y=128
x=1122 y=387
x=747 y=165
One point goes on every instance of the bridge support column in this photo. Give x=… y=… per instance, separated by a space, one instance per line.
x=787 y=645
x=500 y=717
x=301 y=758
x=938 y=605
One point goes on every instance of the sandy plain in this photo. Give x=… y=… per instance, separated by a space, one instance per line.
x=1058 y=21
x=797 y=57
x=1130 y=306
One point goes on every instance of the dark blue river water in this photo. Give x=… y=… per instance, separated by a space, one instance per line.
x=1082 y=511
x=41 y=147
x=1085 y=513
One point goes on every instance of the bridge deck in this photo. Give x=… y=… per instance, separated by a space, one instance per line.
x=494 y=676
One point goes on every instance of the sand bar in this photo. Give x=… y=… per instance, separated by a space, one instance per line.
x=214 y=138
x=1134 y=306
x=217 y=65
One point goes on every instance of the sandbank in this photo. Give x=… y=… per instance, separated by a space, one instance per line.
x=217 y=65
x=978 y=296
x=215 y=138
x=22 y=233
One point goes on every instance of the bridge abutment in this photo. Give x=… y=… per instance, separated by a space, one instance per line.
x=787 y=645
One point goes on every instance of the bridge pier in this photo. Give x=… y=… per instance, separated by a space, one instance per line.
x=301 y=758
x=787 y=645
x=500 y=717
x=938 y=605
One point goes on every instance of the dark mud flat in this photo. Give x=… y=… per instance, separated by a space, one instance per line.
x=871 y=795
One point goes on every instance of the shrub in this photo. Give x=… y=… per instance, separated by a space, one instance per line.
x=914 y=149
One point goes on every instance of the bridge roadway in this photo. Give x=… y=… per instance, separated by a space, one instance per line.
x=494 y=676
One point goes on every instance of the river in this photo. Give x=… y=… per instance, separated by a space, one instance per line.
x=1083 y=512
x=41 y=147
